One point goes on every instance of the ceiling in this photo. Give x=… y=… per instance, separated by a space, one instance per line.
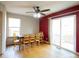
x=21 y=7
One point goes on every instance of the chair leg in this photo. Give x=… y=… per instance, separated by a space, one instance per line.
x=31 y=44
x=19 y=47
x=14 y=45
x=38 y=43
x=24 y=46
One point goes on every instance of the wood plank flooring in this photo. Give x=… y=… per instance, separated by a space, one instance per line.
x=41 y=51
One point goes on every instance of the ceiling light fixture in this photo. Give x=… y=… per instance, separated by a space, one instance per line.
x=37 y=15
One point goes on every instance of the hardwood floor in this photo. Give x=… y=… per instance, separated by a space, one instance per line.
x=42 y=51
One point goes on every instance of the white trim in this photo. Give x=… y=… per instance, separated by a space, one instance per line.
x=75 y=32
x=49 y=24
x=61 y=30
x=64 y=14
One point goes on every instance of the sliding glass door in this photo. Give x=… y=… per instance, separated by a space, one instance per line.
x=68 y=32
x=56 y=31
x=63 y=32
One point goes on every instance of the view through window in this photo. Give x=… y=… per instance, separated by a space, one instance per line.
x=14 y=26
x=63 y=32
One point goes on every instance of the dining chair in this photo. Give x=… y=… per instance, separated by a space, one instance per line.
x=38 y=38
x=26 y=40
x=15 y=39
x=41 y=37
x=32 y=39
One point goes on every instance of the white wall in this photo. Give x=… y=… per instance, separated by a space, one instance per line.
x=29 y=25
x=3 y=29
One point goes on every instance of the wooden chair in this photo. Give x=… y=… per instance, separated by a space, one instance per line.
x=15 y=39
x=26 y=39
x=32 y=39
x=37 y=39
x=41 y=37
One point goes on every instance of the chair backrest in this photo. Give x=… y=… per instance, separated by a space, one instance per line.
x=14 y=36
x=38 y=36
x=32 y=36
x=26 y=37
x=41 y=34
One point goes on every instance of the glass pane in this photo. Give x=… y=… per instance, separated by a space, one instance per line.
x=12 y=30
x=67 y=32
x=13 y=22
x=56 y=31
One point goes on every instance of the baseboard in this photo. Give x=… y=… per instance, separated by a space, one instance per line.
x=46 y=42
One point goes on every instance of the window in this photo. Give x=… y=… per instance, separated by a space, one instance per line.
x=14 y=26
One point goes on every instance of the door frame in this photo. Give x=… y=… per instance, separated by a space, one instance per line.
x=49 y=30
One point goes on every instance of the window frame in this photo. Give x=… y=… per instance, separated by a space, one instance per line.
x=9 y=35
